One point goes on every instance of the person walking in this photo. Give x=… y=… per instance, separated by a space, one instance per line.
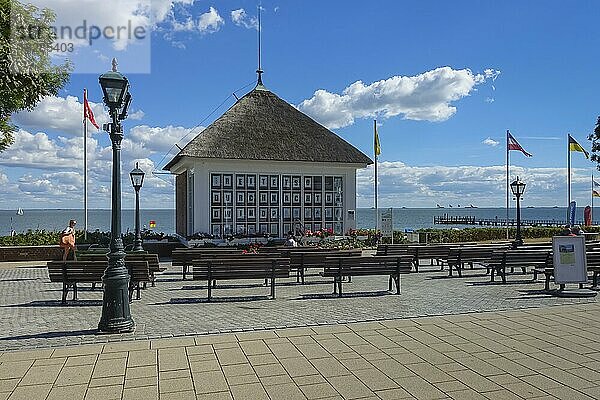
x=67 y=240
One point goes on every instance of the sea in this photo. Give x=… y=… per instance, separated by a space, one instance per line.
x=164 y=219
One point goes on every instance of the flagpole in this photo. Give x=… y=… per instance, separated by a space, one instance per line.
x=507 y=183
x=85 y=181
x=592 y=213
x=376 y=203
x=568 y=178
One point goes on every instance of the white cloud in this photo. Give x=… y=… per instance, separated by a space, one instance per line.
x=62 y=114
x=491 y=142
x=240 y=18
x=136 y=115
x=427 y=96
x=148 y=14
x=161 y=139
x=425 y=186
x=210 y=21
x=65 y=115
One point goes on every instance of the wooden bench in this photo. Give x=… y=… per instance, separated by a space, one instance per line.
x=211 y=269
x=70 y=273
x=459 y=256
x=394 y=249
x=301 y=260
x=183 y=257
x=593 y=266
x=439 y=253
x=152 y=259
x=340 y=267
x=520 y=258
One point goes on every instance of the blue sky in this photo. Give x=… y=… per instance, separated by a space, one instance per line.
x=479 y=68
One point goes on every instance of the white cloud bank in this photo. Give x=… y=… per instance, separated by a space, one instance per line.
x=427 y=96
x=483 y=186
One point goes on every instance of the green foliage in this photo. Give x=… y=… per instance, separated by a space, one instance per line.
x=102 y=239
x=25 y=64
x=495 y=234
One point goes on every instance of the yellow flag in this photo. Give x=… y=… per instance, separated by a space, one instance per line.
x=574 y=146
x=377 y=146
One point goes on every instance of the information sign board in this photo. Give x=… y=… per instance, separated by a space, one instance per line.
x=570 y=264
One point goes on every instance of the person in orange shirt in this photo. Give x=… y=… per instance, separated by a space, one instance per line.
x=67 y=240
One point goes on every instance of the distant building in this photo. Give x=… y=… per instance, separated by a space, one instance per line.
x=265 y=167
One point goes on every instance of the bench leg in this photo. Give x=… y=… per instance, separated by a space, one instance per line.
x=184 y=268
x=74 y=291
x=492 y=271
x=595 y=280
x=459 y=270
x=547 y=282
x=139 y=295
x=298 y=275
x=450 y=269
x=273 y=288
x=209 y=290
x=397 y=279
x=65 y=291
x=340 y=287
x=504 y=275
x=390 y=284
x=335 y=285
x=417 y=265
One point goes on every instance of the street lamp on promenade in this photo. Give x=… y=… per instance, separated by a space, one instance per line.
x=137 y=180
x=518 y=188
x=116 y=315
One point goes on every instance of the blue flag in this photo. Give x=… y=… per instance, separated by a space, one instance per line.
x=572 y=207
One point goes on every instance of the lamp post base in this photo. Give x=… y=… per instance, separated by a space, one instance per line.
x=116 y=316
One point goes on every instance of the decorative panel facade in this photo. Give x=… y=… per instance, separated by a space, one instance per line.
x=250 y=203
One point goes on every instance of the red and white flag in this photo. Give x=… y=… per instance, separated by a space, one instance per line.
x=87 y=111
x=514 y=145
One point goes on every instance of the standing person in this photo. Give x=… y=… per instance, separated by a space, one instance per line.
x=576 y=230
x=67 y=240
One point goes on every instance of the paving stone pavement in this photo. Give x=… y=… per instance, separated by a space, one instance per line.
x=539 y=353
x=31 y=314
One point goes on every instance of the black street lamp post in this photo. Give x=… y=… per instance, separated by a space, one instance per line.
x=518 y=188
x=116 y=315
x=137 y=179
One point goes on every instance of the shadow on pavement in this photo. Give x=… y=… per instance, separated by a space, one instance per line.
x=232 y=299
x=57 y=303
x=49 y=335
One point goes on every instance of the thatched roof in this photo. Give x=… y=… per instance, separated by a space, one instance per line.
x=261 y=126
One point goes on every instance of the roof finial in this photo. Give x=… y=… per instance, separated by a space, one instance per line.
x=259 y=71
x=114 y=65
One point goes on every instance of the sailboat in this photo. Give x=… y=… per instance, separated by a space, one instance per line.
x=20 y=211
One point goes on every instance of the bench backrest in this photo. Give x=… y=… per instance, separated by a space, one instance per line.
x=522 y=257
x=368 y=264
x=241 y=268
x=152 y=259
x=185 y=256
x=92 y=271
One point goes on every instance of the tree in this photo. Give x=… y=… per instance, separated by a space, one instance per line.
x=595 y=138
x=26 y=70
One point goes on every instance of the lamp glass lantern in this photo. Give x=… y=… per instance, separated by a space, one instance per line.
x=517 y=187
x=137 y=177
x=115 y=87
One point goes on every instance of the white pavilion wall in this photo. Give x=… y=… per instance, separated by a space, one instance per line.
x=202 y=218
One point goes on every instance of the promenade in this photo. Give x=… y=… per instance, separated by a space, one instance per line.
x=443 y=337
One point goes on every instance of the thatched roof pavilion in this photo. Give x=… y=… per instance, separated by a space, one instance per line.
x=264 y=167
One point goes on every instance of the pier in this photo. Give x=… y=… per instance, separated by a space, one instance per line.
x=468 y=220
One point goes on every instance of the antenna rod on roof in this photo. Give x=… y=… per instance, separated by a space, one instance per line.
x=178 y=146
x=236 y=98
x=259 y=71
